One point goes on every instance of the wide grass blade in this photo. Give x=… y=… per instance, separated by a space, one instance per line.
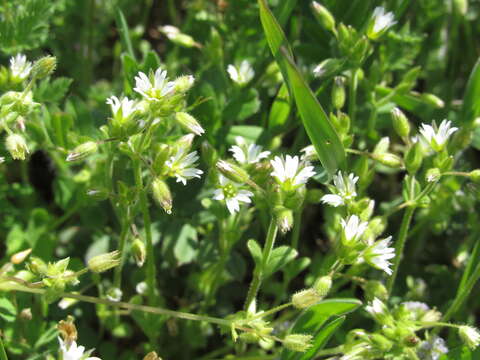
x=124 y=33
x=317 y=125
x=471 y=99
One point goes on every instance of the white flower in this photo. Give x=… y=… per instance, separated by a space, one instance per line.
x=182 y=166
x=20 y=67
x=379 y=253
x=230 y=192
x=156 y=88
x=74 y=352
x=437 y=137
x=122 y=108
x=247 y=154
x=432 y=349
x=353 y=229
x=2 y=159
x=241 y=75
x=381 y=22
x=469 y=335
x=344 y=189
x=290 y=172
x=376 y=307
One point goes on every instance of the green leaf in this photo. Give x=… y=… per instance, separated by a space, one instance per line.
x=52 y=91
x=243 y=106
x=321 y=338
x=186 y=246
x=251 y=133
x=124 y=33
x=8 y=312
x=279 y=257
x=471 y=99
x=461 y=353
x=46 y=337
x=317 y=125
x=280 y=110
x=255 y=251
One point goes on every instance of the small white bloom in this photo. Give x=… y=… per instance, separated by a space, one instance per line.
x=247 y=153
x=20 y=67
x=344 y=189
x=381 y=21
x=154 y=89
x=376 y=307
x=432 y=349
x=74 y=352
x=182 y=166
x=170 y=31
x=141 y=288
x=122 y=108
x=2 y=159
x=289 y=171
x=379 y=253
x=353 y=229
x=241 y=75
x=114 y=294
x=437 y=137
x=232 y=194
x=470 y=336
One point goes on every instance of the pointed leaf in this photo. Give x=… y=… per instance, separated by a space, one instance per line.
x=471 y=99
x=279 y=257
x=255 y=251
x=321 y=338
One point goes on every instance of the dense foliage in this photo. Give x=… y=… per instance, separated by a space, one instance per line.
x=239 y=179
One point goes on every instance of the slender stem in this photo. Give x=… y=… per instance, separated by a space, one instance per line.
x=462 y=294
x=259 y=269
x=117 y=276
x=151 y=283
x=272 y=311
x=400 y=245
x=297 y=223
x=352 y=101
x=3 y=354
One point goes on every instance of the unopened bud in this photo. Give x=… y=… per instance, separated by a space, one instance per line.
x=400 y=123
x=323 y=285
x=185 y=142
x=19 y=257
x=104 y=262
x=375 y=289
x=433 y=100
x=284 y=218
x=44 y=67
x=433 y=175
x=162 y=195
x=232 y=171
x=184 y=83
x=324 y=17
x=82 y=151
x=114 y=294
x=189 y=123
x=475 y=175
x=16 y=146
x=298 y=342
x=139 y=252
x=26 y=314
x=469 y=335
x=327 y=68
x=381 y=342
x=382 y=146
x=209 y=154
x=98 y=194
x=390 y=160
x=338 y=92
x=37 y=266
x=306 y=298
x=178 y=37
x=414 y=158
x=152 y=356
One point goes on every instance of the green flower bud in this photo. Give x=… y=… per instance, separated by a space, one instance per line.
x=327 y=68
x=323 y=285
x=400 y=123
x=152 y=356
x=389 y=159
x=139 y=252
x=433 y=175
x=381 y=342
x=413 y=158
x=232 y=171
x=162 y=195
x=284 y=218
x=209 y=154
x=82 y=151
x=469 y=335
x=44 y=67
x=174 y=34
x=298 y=342
x=382 y=146
x=184 y=83
x=324 y=17
x=104 y=262
x=189 y=123
x=20 y=257
x=306 y=298
x=114 y=294
x=249 y=337
x=37 y=266
x=475 y=175
x=338 y=92
x=433 y=100
x=16 y=146
x=98 y=194
x=375 y=289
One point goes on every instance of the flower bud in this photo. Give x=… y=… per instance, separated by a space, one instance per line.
x=298 y=342
x=338 y=92
x=26 y=314
x=284 y=218
x=324 y=17
x=232 y=171
x=375 y=289
x=104 y=262
x=185 y=142
x=189 y=123
x=114 y=294
x=44 y=67
x=139 y=251
x=37 y=266
x=82 y=151
x=433 y=100
x=327 y=68
x=19 y=257
x=469 y=335
x=174 y=34
x=414 y=158
x=389 y=159
x=433 y=175
x=184 y=83
x=98 y=194
x=382 y=146
x=162 y=195
x=306 y=298
x=152 y=356
x=475 y=175
x=16 y=146
x=323 y=285
x=400 y=123
x=381 y=342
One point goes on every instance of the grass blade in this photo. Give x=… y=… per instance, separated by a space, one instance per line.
x=124 y=33
x=471 y=99
x=317 y=125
